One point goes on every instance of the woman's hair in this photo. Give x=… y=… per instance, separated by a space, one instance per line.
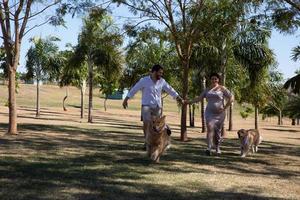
x=215 y=74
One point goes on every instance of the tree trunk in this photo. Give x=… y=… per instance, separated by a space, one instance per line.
x=192 y=115
x=90 y=117
x=203 y=107
x=280 y=118
x=37 y=114
x=185 y=66
x=230 y=118
x=65 y=98
x=82 y=93
x=293 y=121
x=223 y=69
x=298 y=121
x=12 y=104
x=105 y=100
x=256 y=117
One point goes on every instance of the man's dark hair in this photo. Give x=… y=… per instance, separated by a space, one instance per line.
x=156 y=68
x=215 y=75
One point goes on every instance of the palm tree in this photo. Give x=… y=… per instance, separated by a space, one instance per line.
x=292 y=108
x=75 y=73
x=253 y=53
x=109 y=71
x=97 y=46
x=43 y=62
x=294 y=83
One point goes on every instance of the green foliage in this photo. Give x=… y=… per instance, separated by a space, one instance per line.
x=149 y=47
x=292 y=108
x=73 y=72
x=99 y=44
x=73 y=7
x=284 y=15
x=43 y=59
x=293 y=84
x=252 y=50
x=296 y=53
x=278 y=96
x=3 y=66
x=253 y=53
x=246 y=111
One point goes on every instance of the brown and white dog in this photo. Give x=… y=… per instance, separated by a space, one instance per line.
x=157 y=138
x=250 y=139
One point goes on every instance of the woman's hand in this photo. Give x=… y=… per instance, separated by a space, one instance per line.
x=221 y=110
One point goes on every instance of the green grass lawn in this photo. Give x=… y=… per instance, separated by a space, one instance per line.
x=60 y=156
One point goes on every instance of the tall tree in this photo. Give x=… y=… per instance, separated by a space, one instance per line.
x=292 y=108
x=294 y=83
x=75 y=73
x=14 y=18
x=43 y=62
x=179 y=17
x=285 y=17
x=97 y=46
x=278 y=96
x=109 y=72
x=253 y=53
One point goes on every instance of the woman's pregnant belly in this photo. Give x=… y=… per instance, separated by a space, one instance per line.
x=214 y=107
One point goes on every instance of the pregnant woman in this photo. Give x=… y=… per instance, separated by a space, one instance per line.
x=215 y=111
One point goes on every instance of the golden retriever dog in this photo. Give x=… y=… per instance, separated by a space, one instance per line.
x=250 y=139
x=157 y=138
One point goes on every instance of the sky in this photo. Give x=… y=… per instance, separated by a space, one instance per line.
x=280 y=44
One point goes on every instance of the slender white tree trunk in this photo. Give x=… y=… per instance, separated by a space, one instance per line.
x=82 y=89
x=65 y=98
x=90 y=114
x=37 y=98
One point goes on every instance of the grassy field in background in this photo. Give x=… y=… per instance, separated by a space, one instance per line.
x=60 y=156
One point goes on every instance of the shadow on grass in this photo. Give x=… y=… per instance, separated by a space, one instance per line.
x=282 y=130
x=66 y=162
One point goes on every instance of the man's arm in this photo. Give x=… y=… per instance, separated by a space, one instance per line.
x=166 y=87
x=132 y=92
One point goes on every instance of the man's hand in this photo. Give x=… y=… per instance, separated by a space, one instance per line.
x=125 y=103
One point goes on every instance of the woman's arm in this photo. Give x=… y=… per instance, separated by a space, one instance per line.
x=229 y=97
x=198 y=98
x=229 y=102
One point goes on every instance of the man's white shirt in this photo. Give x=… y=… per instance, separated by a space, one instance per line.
x=151 y=91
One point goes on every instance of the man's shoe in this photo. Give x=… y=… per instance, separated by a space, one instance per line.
x=208 y=152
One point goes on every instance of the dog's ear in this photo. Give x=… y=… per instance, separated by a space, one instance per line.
x=241 y=133
x=163 y=118
x=154 y=118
